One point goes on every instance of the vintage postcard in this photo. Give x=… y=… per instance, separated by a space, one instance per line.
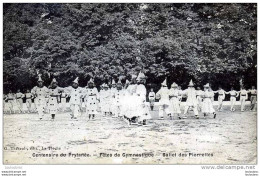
x=129 y=83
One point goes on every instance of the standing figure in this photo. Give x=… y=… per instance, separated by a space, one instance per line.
x=207 y=104
x=174 y=100
x=221 y=97
x=91 y=95
x=199 y=98
x=151 y=98
x=164 y=103
x=40 y=92
x=131 y=102
x=141 y=92
x=28 y=101
x=75 y=93
x=112 y=91
x=118 y=96
x=105 y=100
x=243 y=97
x=54 y=92
x=191 y=101
x=233 y=95
x=253 y=99
x=10 y=99
x=63 y=101
x=19 y=100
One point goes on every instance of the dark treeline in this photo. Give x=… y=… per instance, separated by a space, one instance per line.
x=213 y=43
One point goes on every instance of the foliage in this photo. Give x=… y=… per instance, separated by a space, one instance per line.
x=213 y=43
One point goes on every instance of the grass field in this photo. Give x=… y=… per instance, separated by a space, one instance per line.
x=231 y=138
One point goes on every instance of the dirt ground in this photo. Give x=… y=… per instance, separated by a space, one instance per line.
x=231 y=138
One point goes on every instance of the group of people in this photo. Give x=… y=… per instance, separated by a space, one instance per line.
x=197 y=100
x=126 y=101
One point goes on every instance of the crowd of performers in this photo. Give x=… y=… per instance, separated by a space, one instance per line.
x=126 y=101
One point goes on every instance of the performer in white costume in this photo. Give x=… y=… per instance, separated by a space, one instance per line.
x=131 y=102
x=221 y=97
x=199 y=98
x=253 y=99
x=63 y=101
x=9 y=102
x=207 y=104
x=41 y=93
x=19 y=100
x=28 y=96
x=75 y=92
x=192 y=101
x=105 y=96
x=174 y=100
x=243 y=97
x=141 y=93
x=112 y=91
x=54 y=93
x=118 y=103
x=164 y=103
x=151 y=98
x=233 y=95
x=92 y=96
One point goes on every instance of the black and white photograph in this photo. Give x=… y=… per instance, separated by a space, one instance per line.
x=129 y=83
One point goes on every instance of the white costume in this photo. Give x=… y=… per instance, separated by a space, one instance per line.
x=41 y=94
x=199 y=95
x=143 y=108
x=9 y=103
x=75 y=99
x=53 y=98
x=63 y=101
x=28 y=97
x=19 y=101
x=243 y=98
x=92 y=100
x=112 y=91
x=233 y=95
x=131 y=102
x=164 y=103
x=118 y=102
x=207 y=104
x=174 y=99
x=192 y=101
x=105 y=96
x=253 y=99
x=221 y=97
x=151 y=98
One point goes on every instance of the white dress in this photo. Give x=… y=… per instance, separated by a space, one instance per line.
x=207 y=105
x=163 y=95
x=142 y=108
x=53 y=100
x=92 y=98
x=105 y=96
x=41 y=97
x=174 y=101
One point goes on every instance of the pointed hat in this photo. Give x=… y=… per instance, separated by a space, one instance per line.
x=191 y=83
x=76 y=80
x=113 y=81
x=207 y=85
x=40 y=78
x=174 y=85
x=54 y=81
x=133 y=77
x=119 y=81
x=91 y=81
x=164 y=82
x=140 y=76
